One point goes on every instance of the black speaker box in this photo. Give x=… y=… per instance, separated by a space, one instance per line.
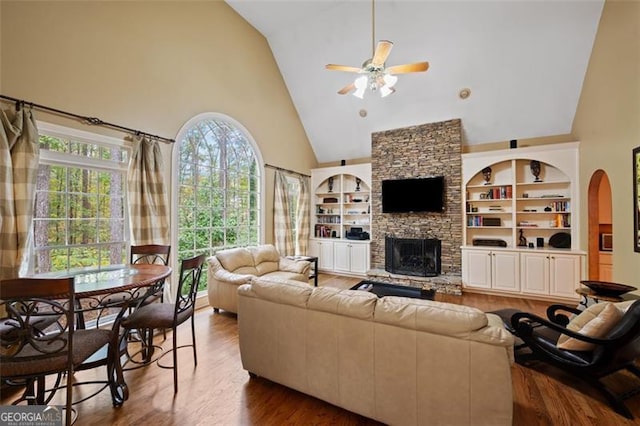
x=489 y=242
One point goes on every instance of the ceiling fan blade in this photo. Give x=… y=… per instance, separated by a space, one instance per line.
x=406 y=68
x=346 y=89
x=346 y=68
x=382 y=52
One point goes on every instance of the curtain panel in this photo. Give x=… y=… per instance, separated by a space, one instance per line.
x=19 y=160
x=302 y=218
x=281 y=217
x=148 y=209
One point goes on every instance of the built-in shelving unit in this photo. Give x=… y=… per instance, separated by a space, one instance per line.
x=341 y=204
x=517 y=201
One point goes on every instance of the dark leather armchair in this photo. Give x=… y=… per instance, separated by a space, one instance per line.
x=616 y=351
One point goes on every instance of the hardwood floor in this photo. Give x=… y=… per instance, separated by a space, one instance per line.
x=219 y=392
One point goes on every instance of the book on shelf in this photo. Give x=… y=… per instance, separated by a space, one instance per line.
x=526 y=224
x=322 y=231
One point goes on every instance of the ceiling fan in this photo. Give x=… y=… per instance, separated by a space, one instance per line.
x=374 y=74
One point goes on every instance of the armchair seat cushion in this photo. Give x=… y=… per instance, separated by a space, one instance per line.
x=596 y=321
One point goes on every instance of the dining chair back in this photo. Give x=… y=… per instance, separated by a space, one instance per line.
x=171 y=315
x=152 y=254
x=30 y=351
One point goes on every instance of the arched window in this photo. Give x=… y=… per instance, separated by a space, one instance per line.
x=218 y=187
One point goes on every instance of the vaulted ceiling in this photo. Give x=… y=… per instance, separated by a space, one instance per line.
x=524 y=62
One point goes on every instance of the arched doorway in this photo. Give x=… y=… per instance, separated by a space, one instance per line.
x=600 y=224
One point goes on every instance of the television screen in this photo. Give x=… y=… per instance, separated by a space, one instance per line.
x=413 y=195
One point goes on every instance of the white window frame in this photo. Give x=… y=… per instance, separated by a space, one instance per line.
x=53 y=158
x=175 y=175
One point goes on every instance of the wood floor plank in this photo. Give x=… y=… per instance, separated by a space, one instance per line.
x=219 y=392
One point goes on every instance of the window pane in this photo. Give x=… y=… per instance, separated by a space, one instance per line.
x=80 y=213
x=219 y=192
x=83 y=257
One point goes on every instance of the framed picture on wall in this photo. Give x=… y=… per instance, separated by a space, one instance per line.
x=636 y=199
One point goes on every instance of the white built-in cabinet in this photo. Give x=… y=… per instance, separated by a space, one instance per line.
x=351 y=257
x=340 y=203
x=517 y=209
x=323 y=250
x=554 y=274
x=491 y=269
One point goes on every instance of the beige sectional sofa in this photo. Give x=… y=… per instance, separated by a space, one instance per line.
x=233 y=267
x=397 y=360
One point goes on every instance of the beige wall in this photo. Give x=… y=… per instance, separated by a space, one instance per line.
x=152 y=66
x=607 y=124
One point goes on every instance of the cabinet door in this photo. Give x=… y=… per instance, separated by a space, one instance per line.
x=326 y=255
x=314 y=248
x=564 y=275
x=359 y=258
x=323 y=250
x=476 y=267
x=341 y=255
x=534 y=273
x=505 y=272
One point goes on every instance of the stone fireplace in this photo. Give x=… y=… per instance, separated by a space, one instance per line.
x=419 y=151
x=412 y=256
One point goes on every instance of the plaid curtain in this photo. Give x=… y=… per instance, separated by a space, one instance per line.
x=148 y=212
x=302 y=218
x=19 y=158
x=281 y=218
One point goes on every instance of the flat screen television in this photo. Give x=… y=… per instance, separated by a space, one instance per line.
x=413 y=195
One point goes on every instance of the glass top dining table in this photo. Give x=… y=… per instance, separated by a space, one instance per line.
x=120 y=287
x=116 y=279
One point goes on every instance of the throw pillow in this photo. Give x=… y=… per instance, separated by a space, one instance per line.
x=596 y=321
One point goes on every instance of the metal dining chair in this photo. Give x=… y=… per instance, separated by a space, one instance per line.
x=149 y=254
x=29 y=353
x=171 y=315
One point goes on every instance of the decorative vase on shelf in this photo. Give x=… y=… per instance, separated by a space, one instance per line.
x=486 y=173
x=358 y=180
x=535 y=170
x=330 y=183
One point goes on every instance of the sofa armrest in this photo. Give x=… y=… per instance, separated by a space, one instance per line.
x=296 y=266
x=218 y=273
x=231 y=278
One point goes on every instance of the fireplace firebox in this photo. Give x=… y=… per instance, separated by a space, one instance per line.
x=418 y=257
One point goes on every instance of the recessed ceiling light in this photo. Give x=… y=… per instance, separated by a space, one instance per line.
x=362 y=113
x=464 y=93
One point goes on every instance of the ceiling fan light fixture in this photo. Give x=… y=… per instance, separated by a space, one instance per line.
x=390 y=80
x=373 y=74
x=361 y=86
x=386 y=90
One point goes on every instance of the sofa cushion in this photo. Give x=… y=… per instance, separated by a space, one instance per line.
x=238 y=260
x=295 y=266
x=282 y=291
x=430 y=316
x=352 y=303
x=283 y=275
x=265 y=258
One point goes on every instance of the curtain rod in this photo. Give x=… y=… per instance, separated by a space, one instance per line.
x=286 y=170
x=92 y=121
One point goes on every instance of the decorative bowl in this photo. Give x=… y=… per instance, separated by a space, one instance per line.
x=605 y=288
